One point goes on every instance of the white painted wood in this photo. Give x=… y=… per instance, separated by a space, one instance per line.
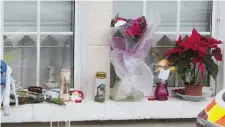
x=181 y=33
x=144 y=8
x=221 y=30
x=77 y=45
x=1 y=28
x=89 y=111
x=178 y=34
x=71 y=33
x=215 y=25
x=38 y=42
x=35 y=33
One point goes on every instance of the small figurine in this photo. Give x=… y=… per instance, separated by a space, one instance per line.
x=164 y=69
x=100 y=97
x=76 y=96
x=51 y=81
x=6 y=82
x=65 y=83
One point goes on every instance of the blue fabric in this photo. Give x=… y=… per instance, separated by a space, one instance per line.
x=3 y=72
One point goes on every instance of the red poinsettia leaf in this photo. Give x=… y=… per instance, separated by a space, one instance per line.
x=202 y=69
x=203 y=38
x=186 y=48
x=194 y=61
x=200 y=55
x=204 y=44
x=203 y=50
x=214 y=46
x=179 y=39
x=217 y=54
x=171 y=51
x=195 y=35
x=213 y=41
x=186 y=38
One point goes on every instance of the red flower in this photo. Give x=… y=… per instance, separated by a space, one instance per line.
x=202 y=69
x=217 y=54
x=196 y=43
x=136 y=28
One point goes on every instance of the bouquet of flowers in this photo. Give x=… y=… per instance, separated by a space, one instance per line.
x=131 y=43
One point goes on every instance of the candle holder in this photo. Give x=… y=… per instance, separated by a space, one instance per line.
x=161 y=91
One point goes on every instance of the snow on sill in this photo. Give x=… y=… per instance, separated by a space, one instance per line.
x=174 y=108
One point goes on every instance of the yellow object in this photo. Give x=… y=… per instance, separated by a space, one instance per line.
x=163 y=64
x=173 y=69
x=216 y=113
x=216 y=110
x=101 y=75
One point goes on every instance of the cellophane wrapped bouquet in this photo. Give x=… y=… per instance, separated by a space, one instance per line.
x=131 y=41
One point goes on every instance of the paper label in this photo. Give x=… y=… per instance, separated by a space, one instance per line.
x=164 y=74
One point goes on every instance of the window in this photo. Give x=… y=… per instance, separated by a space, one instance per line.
x=36 y=35
x=177 y=18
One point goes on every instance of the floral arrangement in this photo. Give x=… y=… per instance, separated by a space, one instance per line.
x=133 y=28
x=194 y=54
x=131 y=43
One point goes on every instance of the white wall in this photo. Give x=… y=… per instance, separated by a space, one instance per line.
x=100 y=14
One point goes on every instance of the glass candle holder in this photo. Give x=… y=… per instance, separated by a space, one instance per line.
x=161 y=91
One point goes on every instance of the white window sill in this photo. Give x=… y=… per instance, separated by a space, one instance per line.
x=174 y=108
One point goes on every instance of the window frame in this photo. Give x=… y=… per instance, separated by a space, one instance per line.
x=77 y=45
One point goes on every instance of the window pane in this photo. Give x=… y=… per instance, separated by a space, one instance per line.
x=167 y=11
x=56 y=52
x=20 y=16
x=196 y=14
x=20 y=53
x=161 y=43
x=56 y=16
x=133 y=8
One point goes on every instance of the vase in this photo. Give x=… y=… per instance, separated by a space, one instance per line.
x=193 y=90
x=161 y=91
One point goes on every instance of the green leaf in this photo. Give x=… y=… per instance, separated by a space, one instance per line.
x=211 y=66
x=182 y=68
x=117 y=15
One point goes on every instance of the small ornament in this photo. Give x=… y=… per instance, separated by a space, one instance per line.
x=51 y=80
x=76 y=96
x=65 y=83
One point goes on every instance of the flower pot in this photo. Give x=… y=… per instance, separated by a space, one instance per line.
x=193 y=90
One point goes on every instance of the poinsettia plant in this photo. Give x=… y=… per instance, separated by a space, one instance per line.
x=193 y=55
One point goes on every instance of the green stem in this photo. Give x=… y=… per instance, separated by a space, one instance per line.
x=196 y=75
